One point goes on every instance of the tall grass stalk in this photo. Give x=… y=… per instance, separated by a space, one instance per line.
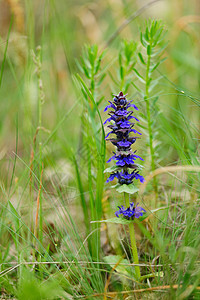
x=91 y=68
x=38 y=64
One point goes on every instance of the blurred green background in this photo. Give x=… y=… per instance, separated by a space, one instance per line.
x=62 y=28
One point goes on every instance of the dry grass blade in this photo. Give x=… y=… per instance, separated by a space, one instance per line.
x=156 y=288
x=167 y=170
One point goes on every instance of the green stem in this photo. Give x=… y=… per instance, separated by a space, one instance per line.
x=147 y=276
x=146 y=98
x=92 y=81
x=133 y=241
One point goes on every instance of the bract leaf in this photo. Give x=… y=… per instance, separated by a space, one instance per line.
x=115 y=221
x=111 y=169
x=127 y=188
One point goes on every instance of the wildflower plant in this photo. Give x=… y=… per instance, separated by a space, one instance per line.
x=121 y=115
x=122 y=133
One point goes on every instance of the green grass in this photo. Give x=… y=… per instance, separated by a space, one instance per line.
x=53 y=151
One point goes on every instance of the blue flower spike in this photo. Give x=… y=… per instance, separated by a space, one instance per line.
x=122 y=126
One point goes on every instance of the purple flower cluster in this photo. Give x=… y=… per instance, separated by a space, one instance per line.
x=131 y=212
x=121 y=126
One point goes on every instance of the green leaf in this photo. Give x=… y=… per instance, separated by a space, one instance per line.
x=129 y=51
x=99 y=62
x=128 y=82
x=153 y=67
x=153 y=28
x=148 y=50
x=86 y=72
x=140 y=167
x=154 y=83
x=120 y=59
x=115 y=168
x=92 y=54
x=139 y=76
x=122 y=265
x=16 y=216
x=82 y=195
x=158 y=35
x=143 y=41
x=101 y=79
x=121 y=72
x=100 y=100
x=161 y=38
x=146 y=35
x=141 y=58
x=127 y=188
x=79 y=65
x=158 y=52
x=92 y=85
x=124 y=221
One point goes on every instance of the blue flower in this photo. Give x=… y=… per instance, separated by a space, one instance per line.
x=120 y=211
x=112 y=157
x=140 y=177
x=108 y=120
x=112 y=177
x=124 y=177
x=109 y=106
x=126 y=160
x=135 y=131
x=124 y=143
x=124 y=124
x=131 y=212
x=121 y=112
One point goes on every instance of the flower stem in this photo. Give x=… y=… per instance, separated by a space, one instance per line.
x=133 y=241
